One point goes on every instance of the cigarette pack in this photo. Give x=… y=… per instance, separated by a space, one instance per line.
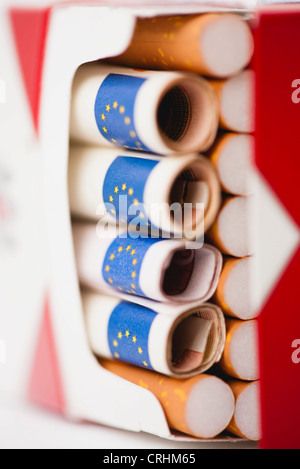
x=53 y=363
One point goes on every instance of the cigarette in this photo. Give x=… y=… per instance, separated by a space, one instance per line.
x=233 y=230
x=232 y=156
x=156 y=268
x=235 y=96
x=110 y=106
x=240 y=355
x=176 y=195
x=174 y=341
x=211 y=44
x=246 y=421
x=234 y=293
x=200 y=406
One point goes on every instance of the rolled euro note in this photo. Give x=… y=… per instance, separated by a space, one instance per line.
x=232 y=156
x=236 y=100
x=179 y=196
x=176 y=340
x=210 y=44
x=165 y=270
x=110 y=106
x=201 y=406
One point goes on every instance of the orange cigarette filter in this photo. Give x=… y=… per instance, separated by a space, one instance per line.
x=201 y=406
x=212 y=44
x=235 y=96
x=232 y=230
x=235 y=290
x=246 y=421
x=240 y=355
x=232 y=156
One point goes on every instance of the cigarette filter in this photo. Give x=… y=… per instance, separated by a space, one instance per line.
x=174 y=341
x=110 y=106
x=246 y=422
x=156 y=268
x=211 y=44
x=201 y=406
x=232 y=156
x=232 y=231
x=176 y=195
x=235 y=96
x=234 y=293
x=240 y=355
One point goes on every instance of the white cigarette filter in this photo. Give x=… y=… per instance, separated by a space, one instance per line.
x=235 y=290
x=211 y=44
x=232 y=156
x=240 y=355
x=201 y=406
x=174 y=341
x=246 y=420
x=233 y=229
x=160 y=269
x=235 y=96
x=110 y=106
x=176 y=195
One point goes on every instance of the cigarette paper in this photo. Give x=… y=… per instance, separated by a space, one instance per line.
x=156 y=268
x=201 y=406
x=174 y=341
x=233 y=230
x=232 y=156
x=235 y=96
x=110 y=106
x=246 y=422
x=234 y=292
x=211 y=44
x=240 y=355
x=176 y=195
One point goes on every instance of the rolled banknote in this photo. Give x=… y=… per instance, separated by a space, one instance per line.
x=164 y=270
x=201 y=406
x=232 y=156
x=246 y=420
x=233 y=229
x=236 y=100
x=174 y=340
x=240 y=355
x=179 y=196
x=209 y=44
x=235 y=290
x=110 y=106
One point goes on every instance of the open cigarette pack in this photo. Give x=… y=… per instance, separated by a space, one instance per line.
x=182 y=322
